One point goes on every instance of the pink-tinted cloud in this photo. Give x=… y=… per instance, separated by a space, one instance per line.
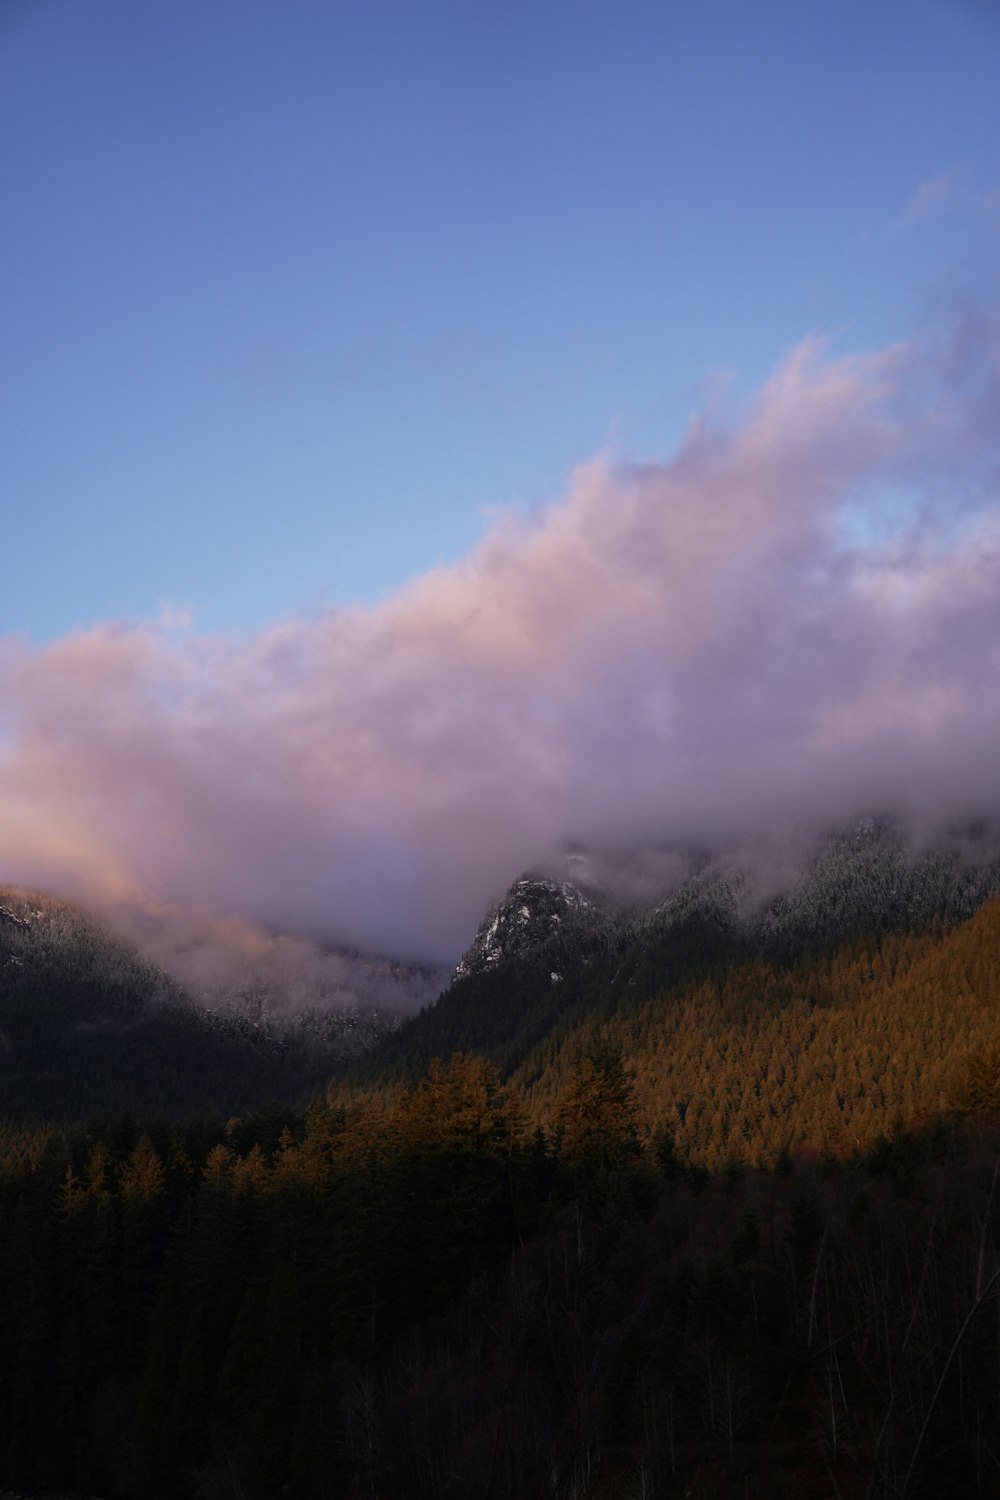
x=678 y=649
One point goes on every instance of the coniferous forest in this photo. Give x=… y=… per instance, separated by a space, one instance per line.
x=695 y=1215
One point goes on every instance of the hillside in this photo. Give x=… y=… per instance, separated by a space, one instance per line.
x=89 y=1026
x=862 y=995
x=861 y=992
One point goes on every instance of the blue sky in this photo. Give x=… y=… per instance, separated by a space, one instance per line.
x=294 y=297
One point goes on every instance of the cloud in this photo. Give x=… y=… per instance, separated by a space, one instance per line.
x=225 y=962
x=952 y=192
x=675 y=650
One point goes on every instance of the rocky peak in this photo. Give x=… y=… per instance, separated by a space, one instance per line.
x=534 y=910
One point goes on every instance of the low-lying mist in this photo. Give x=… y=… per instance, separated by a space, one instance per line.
x=228 y=963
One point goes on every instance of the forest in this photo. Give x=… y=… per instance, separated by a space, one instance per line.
x=421 y=1295
x=703 y=1218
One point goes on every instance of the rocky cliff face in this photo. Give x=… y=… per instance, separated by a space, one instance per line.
x=534 y=911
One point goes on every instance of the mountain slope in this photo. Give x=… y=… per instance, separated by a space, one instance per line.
x=88 y=1025
x=536 y=913
x=860 y=995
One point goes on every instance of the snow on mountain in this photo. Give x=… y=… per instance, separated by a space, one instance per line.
x=774 y=898
x=534 y=911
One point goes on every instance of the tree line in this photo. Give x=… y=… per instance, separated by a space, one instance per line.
x=413 y=1290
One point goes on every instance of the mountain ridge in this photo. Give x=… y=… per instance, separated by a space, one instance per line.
x=814 y=976
x=89 y=1023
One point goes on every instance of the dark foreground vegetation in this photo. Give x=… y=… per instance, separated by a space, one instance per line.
x=412 y=1293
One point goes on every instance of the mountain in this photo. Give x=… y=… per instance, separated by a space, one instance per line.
x=750 y=1013
x=535 y=913
x=749 y=961
x=89 y=1025
x=867 y=877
